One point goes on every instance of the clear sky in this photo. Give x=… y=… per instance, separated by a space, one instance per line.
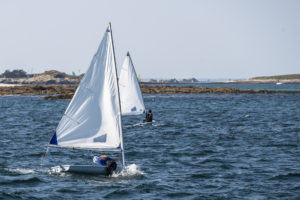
x=166 y=38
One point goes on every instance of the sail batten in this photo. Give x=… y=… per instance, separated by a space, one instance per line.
x=91 y=120
x=130 y=92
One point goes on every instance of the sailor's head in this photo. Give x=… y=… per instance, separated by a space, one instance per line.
x=150 y=111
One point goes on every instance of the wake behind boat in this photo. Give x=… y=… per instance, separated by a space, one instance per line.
x=92 y=120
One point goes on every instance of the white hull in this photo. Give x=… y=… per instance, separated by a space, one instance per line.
x=85 y=169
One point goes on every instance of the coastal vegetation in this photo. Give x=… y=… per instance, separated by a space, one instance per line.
x=17 y=73
x=46 y=78
x=279 y=77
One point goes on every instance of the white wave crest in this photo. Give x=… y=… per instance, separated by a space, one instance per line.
x=159 y=124
x=129 y=170
x=22 y=171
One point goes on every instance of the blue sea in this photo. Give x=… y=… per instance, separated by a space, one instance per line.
x=200 y=146
x=244 y=86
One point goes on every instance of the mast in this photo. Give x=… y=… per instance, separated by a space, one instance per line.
x=120 y=120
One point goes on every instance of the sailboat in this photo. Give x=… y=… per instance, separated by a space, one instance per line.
x=92 y=120
x=130 y=92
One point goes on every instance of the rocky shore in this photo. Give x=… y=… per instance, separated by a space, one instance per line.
x=163 y=89
x=53 y=92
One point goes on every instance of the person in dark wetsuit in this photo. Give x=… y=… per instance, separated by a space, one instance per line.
x=110 y=163
x=149 y=116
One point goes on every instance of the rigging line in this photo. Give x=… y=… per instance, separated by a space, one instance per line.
x=43 y=157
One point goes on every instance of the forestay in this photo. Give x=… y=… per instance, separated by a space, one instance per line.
x=92 y=119
x=130 y=93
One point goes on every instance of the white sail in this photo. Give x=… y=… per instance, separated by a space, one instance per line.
x=92 y=119
x=130 y=92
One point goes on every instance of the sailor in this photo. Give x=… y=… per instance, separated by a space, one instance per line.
x=149 y=116
x=104 y=160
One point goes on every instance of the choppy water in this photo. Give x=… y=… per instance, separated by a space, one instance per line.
x=206 y=146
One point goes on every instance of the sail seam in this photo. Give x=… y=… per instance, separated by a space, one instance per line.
x=71 y=118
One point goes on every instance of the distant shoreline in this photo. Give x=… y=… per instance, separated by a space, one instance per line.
x=53 y=92
x=53 y=77
x=226 y=82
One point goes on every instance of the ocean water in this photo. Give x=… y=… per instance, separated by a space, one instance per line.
x=201 y=146
x=245 y=86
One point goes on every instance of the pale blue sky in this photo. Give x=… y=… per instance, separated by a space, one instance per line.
x=166 y=38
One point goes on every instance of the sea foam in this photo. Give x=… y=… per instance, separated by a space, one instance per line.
x=21 y=171
x=129 y=170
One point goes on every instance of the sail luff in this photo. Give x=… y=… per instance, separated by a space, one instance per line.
x=53 y=140
x=130 y=92
x=119 y=100
x=92 y=118
x=138 y=85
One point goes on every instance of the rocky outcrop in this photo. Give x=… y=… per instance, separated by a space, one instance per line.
x=54 y=92
x=38 y=90
x=60 y=96
x=163 y=89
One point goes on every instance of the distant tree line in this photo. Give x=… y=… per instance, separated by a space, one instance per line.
x=17 y=73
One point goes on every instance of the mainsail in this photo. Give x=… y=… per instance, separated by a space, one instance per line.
x=92 y=119
x=130 y=92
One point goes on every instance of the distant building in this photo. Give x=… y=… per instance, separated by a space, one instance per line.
x=153 y=80
x=191 y=80
x=172 y=81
